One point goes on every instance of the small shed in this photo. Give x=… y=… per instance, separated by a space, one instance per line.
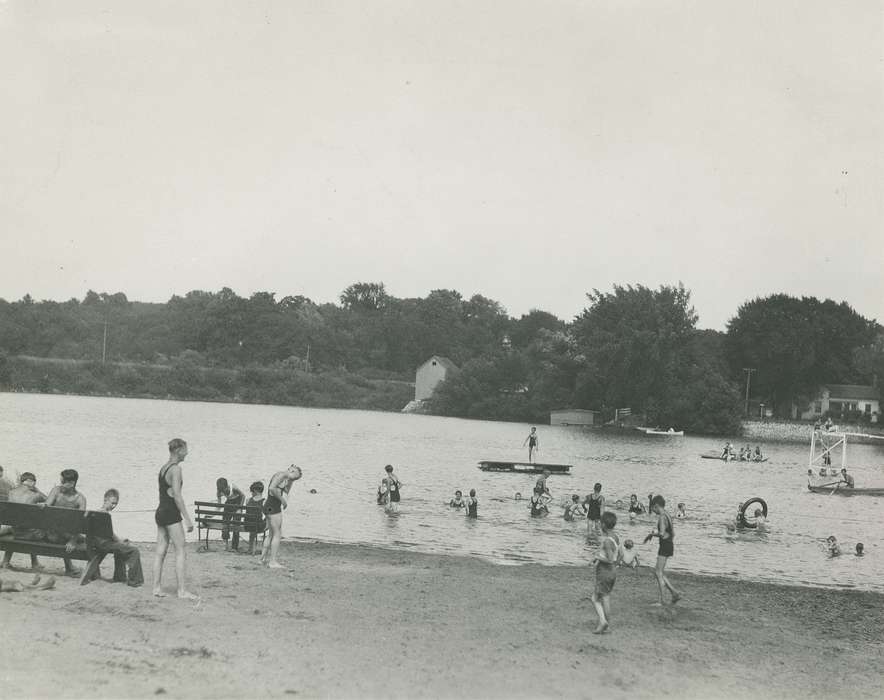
x=572 y=416
x=430 y=374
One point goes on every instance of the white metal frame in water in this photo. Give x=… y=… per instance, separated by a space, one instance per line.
x=823 y=443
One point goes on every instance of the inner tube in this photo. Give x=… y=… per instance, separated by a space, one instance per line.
x=741 y=518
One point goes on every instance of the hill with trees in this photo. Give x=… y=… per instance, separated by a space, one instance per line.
x=632 y=347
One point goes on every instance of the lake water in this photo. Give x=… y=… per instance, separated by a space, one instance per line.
x=122 y=443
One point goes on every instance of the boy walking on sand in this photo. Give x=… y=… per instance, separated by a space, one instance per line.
x=605 y=571
x=665 y=534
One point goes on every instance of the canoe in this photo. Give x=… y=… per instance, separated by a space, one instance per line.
x=491 y=465
x=674 y=433
x=717 y=455
x=844 y=491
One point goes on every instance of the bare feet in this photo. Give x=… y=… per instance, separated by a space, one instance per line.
x=675 y=598
x=601 y=629
x=158 y=592
x=73 y=572
x=187 y=595
x=275 y=565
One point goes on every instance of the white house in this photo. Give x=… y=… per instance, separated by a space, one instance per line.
x=838 y=399
x=430 y=374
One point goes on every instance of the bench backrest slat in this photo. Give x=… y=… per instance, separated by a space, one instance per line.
x=95 y=523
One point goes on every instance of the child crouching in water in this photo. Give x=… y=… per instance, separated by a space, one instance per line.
x=628 y=555
x=605 y=570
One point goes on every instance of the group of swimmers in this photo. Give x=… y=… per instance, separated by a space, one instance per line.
x=834 y=549
x=745 y=454
x=470 y=504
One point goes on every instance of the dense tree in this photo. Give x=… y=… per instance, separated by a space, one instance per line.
x=630 y=341
x=795 y=345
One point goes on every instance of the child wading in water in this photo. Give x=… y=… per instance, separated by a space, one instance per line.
x=605 y=571
x=472 y=505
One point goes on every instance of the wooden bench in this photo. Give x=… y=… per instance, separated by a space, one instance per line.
x=227 y=517
x=25 y=518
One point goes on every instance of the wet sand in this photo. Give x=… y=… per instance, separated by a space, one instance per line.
x=346 y=621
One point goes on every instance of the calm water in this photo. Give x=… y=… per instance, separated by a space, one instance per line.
x=122 y=443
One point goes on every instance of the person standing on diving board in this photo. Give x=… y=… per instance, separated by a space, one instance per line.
x=533 y=443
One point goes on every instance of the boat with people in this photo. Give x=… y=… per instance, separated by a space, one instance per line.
x=656 y=431
x=493 y=465
x=730 y=457
x=822 y=477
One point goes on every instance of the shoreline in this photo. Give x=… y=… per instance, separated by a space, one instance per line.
x=358 y=621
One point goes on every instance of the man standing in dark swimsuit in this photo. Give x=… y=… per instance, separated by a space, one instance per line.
x=168 y=517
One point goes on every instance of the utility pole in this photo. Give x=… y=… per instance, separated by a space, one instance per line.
x=104 y=343
x=307 y=360
x=748 y=371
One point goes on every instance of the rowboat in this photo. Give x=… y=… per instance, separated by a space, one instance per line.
x=846 y=491
x=670 y=432
x=717 y=455
x=491 y=465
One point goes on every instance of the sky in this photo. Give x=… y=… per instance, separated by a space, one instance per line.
x=526 y=151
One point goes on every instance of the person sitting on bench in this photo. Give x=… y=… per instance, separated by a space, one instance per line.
x=126 y=555
x=25 y=492
x=65 y=495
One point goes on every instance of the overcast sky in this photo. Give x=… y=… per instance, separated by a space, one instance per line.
x=526 y=151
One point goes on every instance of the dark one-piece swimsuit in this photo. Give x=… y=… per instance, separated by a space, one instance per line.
x=167 y=512
x=667 y=547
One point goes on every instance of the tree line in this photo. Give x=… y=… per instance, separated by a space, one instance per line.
x=631 y=347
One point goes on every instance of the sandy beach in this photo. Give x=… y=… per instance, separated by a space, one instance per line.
x=347 y=621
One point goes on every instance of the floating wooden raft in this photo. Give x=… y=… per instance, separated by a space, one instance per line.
x=493 y=465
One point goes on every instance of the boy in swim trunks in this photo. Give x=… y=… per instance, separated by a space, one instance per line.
x=605 y=571
x=65 y=495
x=665 y=533
x=25 y=492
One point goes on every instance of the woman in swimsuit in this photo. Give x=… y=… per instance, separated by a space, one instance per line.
x=276 y=502
x=168 y=517
x=595 y=506
x=472 y=505
x=666 y=534
x=538 y=504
